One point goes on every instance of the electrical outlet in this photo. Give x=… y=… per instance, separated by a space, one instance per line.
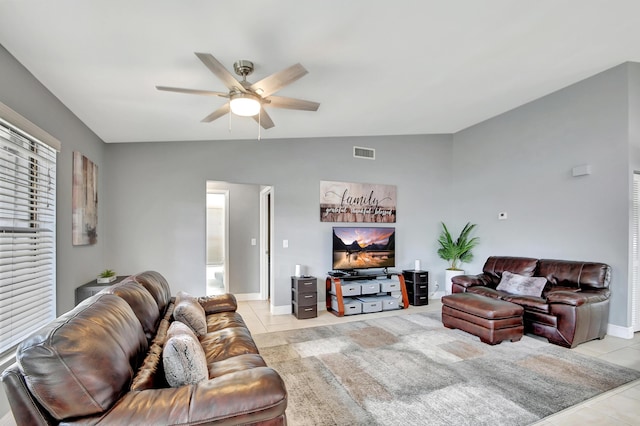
x=434 y=289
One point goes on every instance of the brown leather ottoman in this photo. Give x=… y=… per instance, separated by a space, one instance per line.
x=492 y=320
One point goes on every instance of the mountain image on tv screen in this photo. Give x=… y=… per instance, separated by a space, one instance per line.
x=363 y=247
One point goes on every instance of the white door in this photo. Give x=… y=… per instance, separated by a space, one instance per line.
x=217 y=241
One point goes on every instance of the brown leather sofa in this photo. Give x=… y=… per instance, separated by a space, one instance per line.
x=101 y=363
x=573 y=307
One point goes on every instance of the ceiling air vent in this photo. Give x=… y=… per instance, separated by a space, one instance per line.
x=360 y=152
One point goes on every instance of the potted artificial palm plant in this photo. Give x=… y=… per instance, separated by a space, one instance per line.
x=456 y=251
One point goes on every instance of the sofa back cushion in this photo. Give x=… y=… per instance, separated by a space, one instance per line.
x=157 y=285
x=83 y=361
x=142 y=303
x=572 y=274
x=496 y=265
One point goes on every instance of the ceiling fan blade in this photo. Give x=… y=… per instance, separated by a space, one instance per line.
x=264 y=119
x=220 y=71
x=192 y=91
x=224 y=109
x=277 y=81
x=291 y=103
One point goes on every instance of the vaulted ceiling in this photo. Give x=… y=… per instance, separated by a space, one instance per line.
x=376 y=68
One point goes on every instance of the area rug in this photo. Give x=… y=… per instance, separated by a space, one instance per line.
x=410 y=370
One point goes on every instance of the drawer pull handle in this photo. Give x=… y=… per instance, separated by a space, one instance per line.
x=308 y=309
x=308 y=296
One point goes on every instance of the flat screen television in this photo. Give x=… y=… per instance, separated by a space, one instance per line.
x=363 y=247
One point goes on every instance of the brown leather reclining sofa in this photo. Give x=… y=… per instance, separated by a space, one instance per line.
x=573 y=307
x=101 y=363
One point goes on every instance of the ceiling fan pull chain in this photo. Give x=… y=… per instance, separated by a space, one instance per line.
x=230 y=122
x=259 y=124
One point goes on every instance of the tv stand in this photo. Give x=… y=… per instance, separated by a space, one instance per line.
x=360 y=274
x=348 y=293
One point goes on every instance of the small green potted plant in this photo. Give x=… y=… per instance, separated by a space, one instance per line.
x=456 y=251
x=106 y=276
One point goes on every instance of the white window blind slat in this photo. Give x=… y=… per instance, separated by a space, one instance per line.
x=27 y=235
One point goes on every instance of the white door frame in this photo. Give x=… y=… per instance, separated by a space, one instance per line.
x=634 y=293
x=266 y=246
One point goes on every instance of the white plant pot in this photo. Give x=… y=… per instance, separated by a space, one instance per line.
x=106 y=280
x=448 y=274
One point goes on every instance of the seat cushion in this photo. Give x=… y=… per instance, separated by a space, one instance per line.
x=227 y=343
x=224 y=320
x=529 y=302
x=487 y=292
x=234 y=364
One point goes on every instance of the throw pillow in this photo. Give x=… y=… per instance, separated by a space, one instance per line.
x=190 y=312
x=178 y=327
x=184 y=361
x=521 y=285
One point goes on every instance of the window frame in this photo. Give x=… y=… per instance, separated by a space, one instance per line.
x=28 y=188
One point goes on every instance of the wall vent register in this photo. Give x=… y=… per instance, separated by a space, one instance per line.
x=361 y=152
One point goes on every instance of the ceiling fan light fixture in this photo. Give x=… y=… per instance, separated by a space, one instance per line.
x=245 y=104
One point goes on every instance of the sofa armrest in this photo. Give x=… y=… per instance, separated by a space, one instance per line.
x=467 y=281
x=243 y=397
x=578 y=298
x=25 y=408
x=219 y=303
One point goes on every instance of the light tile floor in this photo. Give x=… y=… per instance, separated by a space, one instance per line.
x=620 y=406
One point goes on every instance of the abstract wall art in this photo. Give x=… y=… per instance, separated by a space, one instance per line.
x=84 y=201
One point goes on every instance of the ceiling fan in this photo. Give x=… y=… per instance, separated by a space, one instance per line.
x=249 y=99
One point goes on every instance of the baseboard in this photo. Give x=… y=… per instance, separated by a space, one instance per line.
x=619 y=331
x=243 y=297
x=281 y=310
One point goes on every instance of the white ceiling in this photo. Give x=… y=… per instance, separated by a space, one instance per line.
x=376 y=67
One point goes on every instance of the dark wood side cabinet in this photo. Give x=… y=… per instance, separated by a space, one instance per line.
x=304 y=297
x=417 y=283
x=92 y=287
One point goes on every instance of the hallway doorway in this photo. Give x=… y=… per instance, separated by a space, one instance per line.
x=217 y=241
x=238 y=238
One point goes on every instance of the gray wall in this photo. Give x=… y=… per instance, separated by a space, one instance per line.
x=521 y=161
x=156 y=193
x=22 y=92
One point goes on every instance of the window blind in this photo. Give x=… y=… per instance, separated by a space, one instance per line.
x=27 y=234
